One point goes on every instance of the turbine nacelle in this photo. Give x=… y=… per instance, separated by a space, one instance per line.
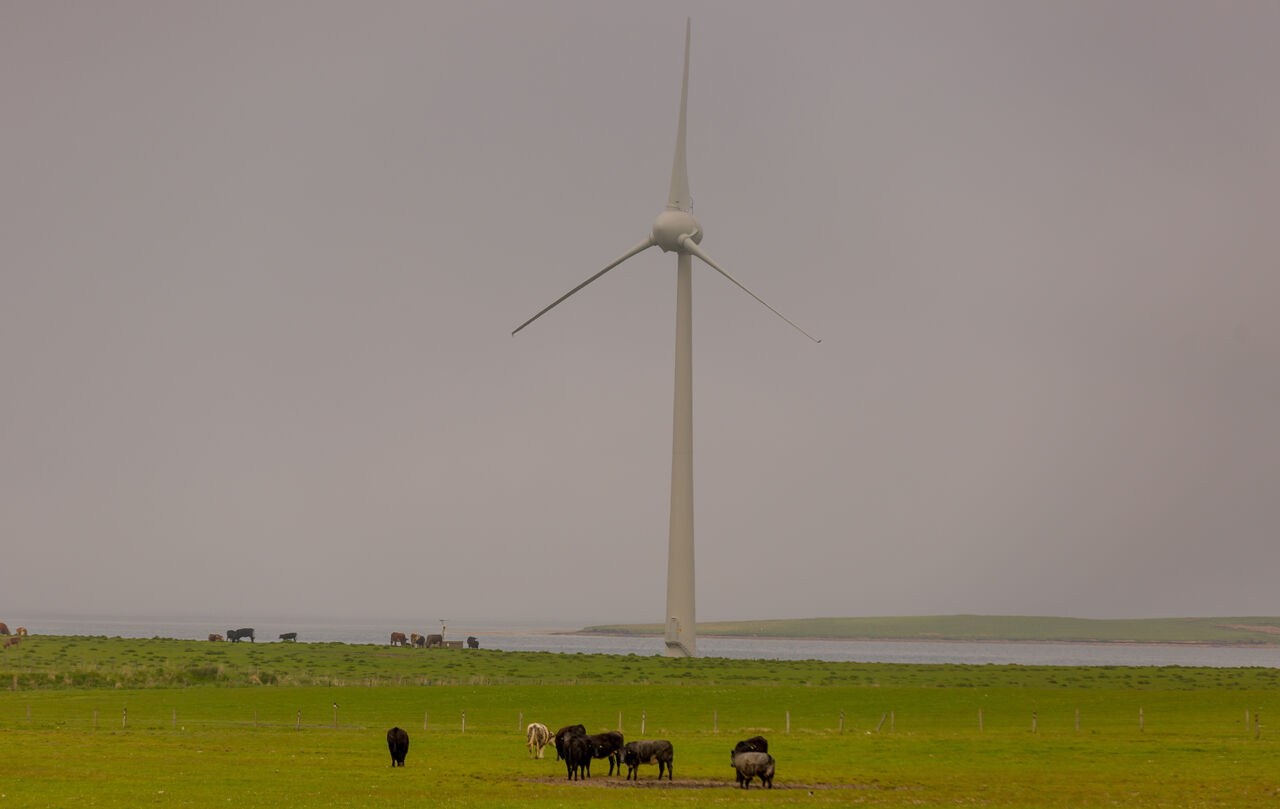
x=670 y=229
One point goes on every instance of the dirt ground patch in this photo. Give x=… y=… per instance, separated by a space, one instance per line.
x=692 y=783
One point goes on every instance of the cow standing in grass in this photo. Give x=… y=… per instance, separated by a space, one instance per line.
x=648 y=751
x=398 y=639
x=537 y=737
x=473 y=642
x=577 y=757
x=398 y=744
x=234 y=635
x=753 y=765
x=563 y=734
x=608 y=745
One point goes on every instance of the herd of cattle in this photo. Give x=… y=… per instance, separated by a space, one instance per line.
x=20 y=632
x=750 y=758
x=428 y=641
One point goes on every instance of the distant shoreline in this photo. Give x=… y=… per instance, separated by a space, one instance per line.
x=1030 y=642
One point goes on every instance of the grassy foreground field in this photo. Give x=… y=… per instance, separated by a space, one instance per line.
x=1234 y=631
x=187 y=726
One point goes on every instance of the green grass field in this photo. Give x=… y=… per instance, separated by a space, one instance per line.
x=1235 y=631
x=201 y=732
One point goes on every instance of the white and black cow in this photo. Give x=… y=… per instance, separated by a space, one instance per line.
x=752 y=764
x=648 y=751
x=536 y=737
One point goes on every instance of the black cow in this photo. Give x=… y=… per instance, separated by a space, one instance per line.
x=564 y=733
x=234 y=635
x=289 y=636
x=577 y=756
x=472 y=642
x=648 y=751
x=753 y=764
x=756 y=744
x=398 y=744
x=607 y=745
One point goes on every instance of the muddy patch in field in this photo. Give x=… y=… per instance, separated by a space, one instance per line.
x=700 y=783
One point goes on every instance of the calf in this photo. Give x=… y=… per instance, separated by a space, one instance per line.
x=577 y=757
x=416 y=640
x=537 y=737
x=398 y=744
x=398 y=639
x=22 y=630
x=648 y=751
x=214 y=637
x=607 y=745
x=563 y=734
x=753 y=765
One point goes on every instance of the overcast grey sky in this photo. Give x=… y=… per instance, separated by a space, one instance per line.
x=260 y=262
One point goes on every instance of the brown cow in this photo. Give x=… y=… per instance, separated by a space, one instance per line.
x=435 y=640
x=22 y=630
x=11 y=641
x=213 y=636
x=4 y=628
x=398 y=639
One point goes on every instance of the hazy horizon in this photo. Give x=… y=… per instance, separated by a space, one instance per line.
x=260 y=262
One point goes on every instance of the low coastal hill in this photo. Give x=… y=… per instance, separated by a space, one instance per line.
x=1243 y=631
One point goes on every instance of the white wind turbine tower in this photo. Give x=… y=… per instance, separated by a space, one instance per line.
x=677 y=231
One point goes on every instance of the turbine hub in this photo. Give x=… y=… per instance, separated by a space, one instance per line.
x=670 y=225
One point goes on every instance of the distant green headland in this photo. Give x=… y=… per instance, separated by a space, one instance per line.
x=1243 y=631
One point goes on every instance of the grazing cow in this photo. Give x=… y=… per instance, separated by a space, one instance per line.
x=577 y=757
x=648 y=751
x=416 y=640
x=435 y=640
x=234 y=635
x=564 y=733
x=536 y=738
x=473 y=642
x=753 y=765
x=289 y=636
x=398 y=744
x=398 y=639
x=607 y=745
x=4 y=628
x=11 y=642
x=214 y=636
x=756 y=744
x=22 y=630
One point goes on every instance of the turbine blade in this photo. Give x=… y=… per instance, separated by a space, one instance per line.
x=639 y=248
x=680 y=199
x=688 y=245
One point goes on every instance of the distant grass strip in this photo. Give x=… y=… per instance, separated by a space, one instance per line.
x=1241 y=631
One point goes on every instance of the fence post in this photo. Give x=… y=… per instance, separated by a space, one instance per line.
x=893 y=720
x=335 y=716
x=520 y=721
x=1077 y=719
x=842 y=721
x=715 y=721
x=643 y=716
x=788 y=721
x=1142 y=723
x=1034 y=718
x=882 y=718
x=464 y=721
x=619 y=721
x=175 y=717
x=124 y=718
x=424 y=720
x=299 y=720
x=979 y=720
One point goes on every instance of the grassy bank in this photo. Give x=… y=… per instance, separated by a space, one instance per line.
x=196 y=724
x=1226 y=631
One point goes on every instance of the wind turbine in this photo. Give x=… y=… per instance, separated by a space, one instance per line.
x=677 y=231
